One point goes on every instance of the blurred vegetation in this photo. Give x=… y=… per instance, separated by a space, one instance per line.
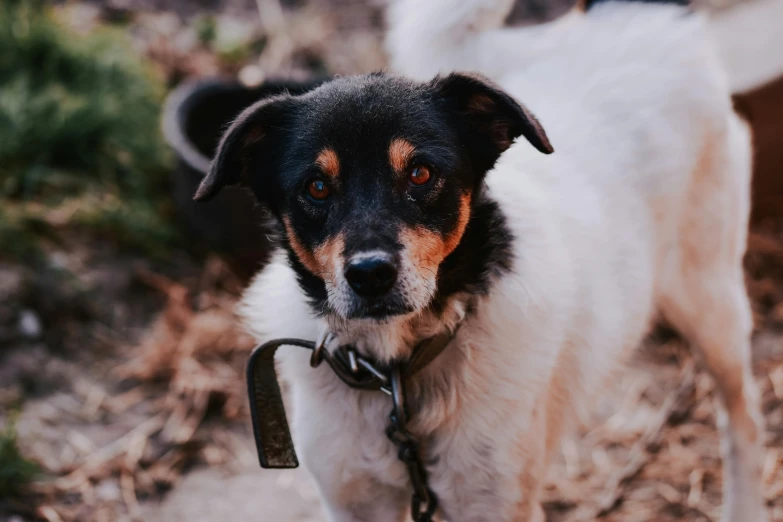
x=79 y=134
x=15 y=471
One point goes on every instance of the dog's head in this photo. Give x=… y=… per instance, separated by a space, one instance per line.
x=373 y=179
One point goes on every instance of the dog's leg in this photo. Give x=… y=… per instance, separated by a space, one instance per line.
x=347 y=479
x=705 y=298
x=538 y=514
x=529 y=508
x=383 y=508
x=352 y=496
x=719 y=325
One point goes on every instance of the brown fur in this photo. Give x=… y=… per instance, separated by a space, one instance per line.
x=253 y=136
x=328 y=162
x=481 y=104
x=427 y=248
x=400 y=154
x=530 y=448
x=305 y=256
x=329 y=255
x=558 y=399
x=320 y=261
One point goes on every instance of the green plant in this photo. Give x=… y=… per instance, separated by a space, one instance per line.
x=79 y=115
x=206 y=29
x=16 y=472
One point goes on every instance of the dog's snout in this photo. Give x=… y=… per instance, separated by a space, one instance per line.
x=371 y=276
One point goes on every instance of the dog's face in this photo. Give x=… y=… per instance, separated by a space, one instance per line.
x=373 y=180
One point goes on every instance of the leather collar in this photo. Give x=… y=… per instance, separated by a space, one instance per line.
x=270 y=425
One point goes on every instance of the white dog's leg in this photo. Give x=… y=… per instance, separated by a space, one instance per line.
x=719 y=324
x=346 y=457
x=390 y=507
x=351 y=495
x=723 y=338
x=345 y=470
x=707 y=301
x=538 y=514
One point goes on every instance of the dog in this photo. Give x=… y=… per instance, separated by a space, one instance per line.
x=548 y=236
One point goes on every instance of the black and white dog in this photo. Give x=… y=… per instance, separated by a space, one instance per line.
x=410 y=207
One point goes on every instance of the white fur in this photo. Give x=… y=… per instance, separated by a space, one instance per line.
x=642 y=209
x=748 y=39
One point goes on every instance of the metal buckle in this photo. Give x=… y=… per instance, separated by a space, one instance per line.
x=317 y=357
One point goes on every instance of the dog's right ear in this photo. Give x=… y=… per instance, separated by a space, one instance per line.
x=253 y=139
x=491 y=120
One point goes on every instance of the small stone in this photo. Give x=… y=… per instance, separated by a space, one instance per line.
x=251 y=76
x=58 y=260
x=108 y=491
x=30 y=324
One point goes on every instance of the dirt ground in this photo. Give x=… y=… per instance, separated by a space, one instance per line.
x=151 y=423
x=129 y=371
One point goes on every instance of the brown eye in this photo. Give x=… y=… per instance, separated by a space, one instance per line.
x=419 y=176
x=318 y=190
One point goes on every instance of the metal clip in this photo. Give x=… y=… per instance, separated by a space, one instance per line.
x=352 y=360
x=317 y=356
x=398 y=398
x=373 y=370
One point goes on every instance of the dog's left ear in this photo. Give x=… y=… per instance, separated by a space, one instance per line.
x=489 y=118
x=253 y=140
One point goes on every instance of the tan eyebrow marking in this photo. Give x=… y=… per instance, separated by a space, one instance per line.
x=328 y=162
x=400 y=153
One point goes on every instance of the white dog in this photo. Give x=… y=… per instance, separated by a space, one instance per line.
x=641 y=210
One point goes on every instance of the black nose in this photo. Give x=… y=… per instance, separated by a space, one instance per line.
x=371 y=276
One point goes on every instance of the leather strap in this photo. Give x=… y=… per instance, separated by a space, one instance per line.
x=427 y=350
x=270 y=425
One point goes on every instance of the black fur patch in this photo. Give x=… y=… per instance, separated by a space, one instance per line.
x=378 y=128
x=482 y=256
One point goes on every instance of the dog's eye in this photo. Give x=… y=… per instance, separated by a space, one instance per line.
x=317 y=189
x=418 y=176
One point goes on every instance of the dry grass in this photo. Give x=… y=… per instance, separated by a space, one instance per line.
x=188 y=367
x=653 y=455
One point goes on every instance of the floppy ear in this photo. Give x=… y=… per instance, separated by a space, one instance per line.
x=491 y=119
x=255 y=133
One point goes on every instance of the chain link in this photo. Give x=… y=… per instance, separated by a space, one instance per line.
x=424 y=502
x=358 y=372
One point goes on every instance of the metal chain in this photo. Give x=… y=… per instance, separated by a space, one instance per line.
x=424 y=502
